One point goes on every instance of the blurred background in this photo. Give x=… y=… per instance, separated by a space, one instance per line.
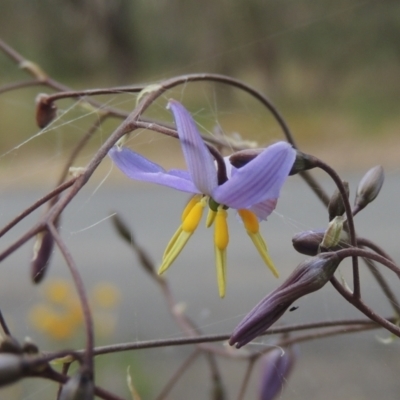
x=331 y=67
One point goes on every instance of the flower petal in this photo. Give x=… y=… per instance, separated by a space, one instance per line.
x=140 y=168
x=264 y=209
x=199 y=160
x=259 y=180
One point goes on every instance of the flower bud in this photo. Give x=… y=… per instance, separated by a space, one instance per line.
x=11 y=368
x=309 y=242
x=41 y=255
x=45 y=111
x=369 y=187
x=336 y=206
x=276 y=367
x=79 y=387
x=309 y=276
x=333 y=233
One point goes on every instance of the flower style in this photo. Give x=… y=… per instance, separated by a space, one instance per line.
x=252 y=190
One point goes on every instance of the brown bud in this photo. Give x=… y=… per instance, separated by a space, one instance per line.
x=41 y=255
x=336 y=206
x=45 y=111
x=369 y=187
x=29 y=347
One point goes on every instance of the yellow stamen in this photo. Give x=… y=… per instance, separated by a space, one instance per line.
x=251 y=224
x=174 y=249
x=191 y=203
x=221 y=233
x=190 y=220
x=220 y=262
x=263 y=250
x=250 y=220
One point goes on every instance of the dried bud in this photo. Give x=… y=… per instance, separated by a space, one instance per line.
x=276 y=367
x=11 y=368
x=309 y=276
x=10 y=345
x=333 y=234
x=369 y=187
x=336 y=206
x=41 y=255
x=45 y=111
x=29 y=347
x=79 y=387
x=309 y=242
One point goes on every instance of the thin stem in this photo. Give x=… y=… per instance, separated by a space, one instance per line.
x=20 y=85
x=178 y=374
x=357 y=252
x=183 y=341
x=59 y=189
x=356 y=302
x=4 y=325
x=246 y=378
x=350 y=221
x=82 y=297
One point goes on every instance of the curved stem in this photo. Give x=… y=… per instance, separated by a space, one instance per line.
x=350 y=221
x=356 y=302
x=82 y=297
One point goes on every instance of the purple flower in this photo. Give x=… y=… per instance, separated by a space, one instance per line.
x=309 y=276
x=252 y=190
x=276 y=367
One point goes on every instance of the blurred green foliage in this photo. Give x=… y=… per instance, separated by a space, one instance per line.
x=305 y=46
x=321 y=61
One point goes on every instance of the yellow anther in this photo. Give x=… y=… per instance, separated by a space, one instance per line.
x=193 y=218
x=191 y=203
x=263 y=251
x=221 y=233
x=250 y=220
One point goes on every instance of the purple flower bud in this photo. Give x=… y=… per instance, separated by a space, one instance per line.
x=369 y=187
x=309 y=276
x=308 y=242
x=276 y=367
